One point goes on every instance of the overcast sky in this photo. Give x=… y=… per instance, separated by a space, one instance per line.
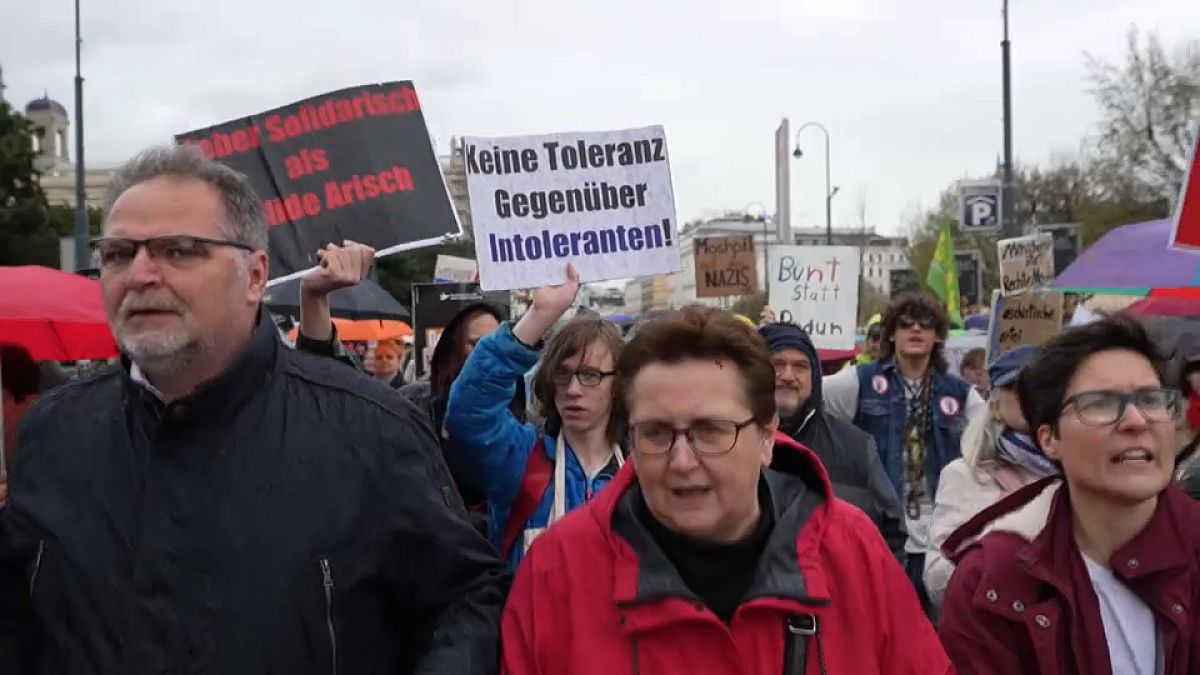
x=910 y=90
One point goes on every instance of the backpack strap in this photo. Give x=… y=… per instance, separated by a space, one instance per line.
x=539 y=470
x=798 y=628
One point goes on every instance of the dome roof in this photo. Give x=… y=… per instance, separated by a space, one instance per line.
x=46 y=103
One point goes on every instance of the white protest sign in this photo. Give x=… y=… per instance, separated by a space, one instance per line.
x=816 y=288
x=1026 y=263
x=452 y=269
x=600 y=200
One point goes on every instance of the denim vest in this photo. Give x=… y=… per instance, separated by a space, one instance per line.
x=883 y=411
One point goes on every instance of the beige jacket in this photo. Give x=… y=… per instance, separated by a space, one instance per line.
x=960 y=495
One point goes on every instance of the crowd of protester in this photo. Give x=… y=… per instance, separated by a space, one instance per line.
x=692 y=496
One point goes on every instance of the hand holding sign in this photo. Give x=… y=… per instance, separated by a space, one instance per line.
x=549 y=304
x=340 y=267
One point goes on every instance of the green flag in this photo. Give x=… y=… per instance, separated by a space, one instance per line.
x=943 y=273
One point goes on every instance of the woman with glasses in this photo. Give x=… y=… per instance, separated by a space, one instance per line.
x=1097 y=571
x=699 y=559
x=531 y=477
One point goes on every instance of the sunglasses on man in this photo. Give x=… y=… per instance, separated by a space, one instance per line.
x=907 y=321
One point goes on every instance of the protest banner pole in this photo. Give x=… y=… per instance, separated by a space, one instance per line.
x=391 y=250
x=989 y=353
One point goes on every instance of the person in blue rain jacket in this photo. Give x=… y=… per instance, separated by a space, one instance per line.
x=574 y=391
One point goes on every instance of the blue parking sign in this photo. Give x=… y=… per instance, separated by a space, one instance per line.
x=979 y=205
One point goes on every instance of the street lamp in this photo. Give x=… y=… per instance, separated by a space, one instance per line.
x=82 y=257
x=829 y=189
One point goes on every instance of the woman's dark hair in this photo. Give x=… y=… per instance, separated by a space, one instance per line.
x=697 y=332
x=1189 y=350
x=450 y=354
x=576 y=337
x=920 y=306
x=19 y=373
x=1042 y=385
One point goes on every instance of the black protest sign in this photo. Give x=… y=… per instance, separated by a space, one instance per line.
x=352 y=164
x=902 y=281
x=970 y=281
x=435 y=305
x=725 y=266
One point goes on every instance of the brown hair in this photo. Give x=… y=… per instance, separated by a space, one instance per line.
x=574 y=338
x=389 y=344
x=972 y=359
x=918 y=305
x=697 y=332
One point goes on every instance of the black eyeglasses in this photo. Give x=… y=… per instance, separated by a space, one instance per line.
x=707 y=437
x=1102 y=407
x=174 y=249
x=588 y=377
x=907 y=321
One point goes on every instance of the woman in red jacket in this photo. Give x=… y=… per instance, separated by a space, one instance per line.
x=698 y=559
x=1100 y=574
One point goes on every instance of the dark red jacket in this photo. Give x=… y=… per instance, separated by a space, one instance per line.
x=596 y=596
x=1021 y=600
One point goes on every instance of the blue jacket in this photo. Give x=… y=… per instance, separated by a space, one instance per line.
x=883 y=412
x=493 y=446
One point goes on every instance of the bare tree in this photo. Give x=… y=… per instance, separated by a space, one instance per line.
x=1147 y=106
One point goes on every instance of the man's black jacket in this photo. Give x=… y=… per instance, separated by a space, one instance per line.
x=855 y=470
x=290 y=517
x=848 y=453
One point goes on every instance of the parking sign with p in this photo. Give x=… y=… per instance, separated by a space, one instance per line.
x=979 y=205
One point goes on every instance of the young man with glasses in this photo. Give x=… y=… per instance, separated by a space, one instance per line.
x=1097 y=571
x=699 y=559
x=915 y=410
x=533 y=476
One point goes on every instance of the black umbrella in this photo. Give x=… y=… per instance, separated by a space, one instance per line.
x=367 y=300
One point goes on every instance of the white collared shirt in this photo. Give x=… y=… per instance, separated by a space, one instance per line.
x=139 y=377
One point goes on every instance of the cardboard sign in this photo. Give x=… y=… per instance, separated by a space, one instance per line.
x=725 y=266
x=1024 y=319
x=352 y=164
x=816 y=288
x=1186 y=230
x=434 y=305
x=1026 y=263
x=602 y=201
x=452 y=269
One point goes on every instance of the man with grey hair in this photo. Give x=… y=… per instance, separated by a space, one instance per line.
x=224 y=504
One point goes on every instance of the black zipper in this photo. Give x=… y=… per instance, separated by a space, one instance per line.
x=327 y=580
x=37 y=565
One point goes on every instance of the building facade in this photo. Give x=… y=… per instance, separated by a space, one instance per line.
x=763 y=230
x=879 y=254
x=454 y=171
x=52 y=156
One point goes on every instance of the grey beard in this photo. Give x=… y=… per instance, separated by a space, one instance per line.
x=166 y=359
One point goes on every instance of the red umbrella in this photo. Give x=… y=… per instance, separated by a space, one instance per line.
x=55 y=315
x=1168 y=302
